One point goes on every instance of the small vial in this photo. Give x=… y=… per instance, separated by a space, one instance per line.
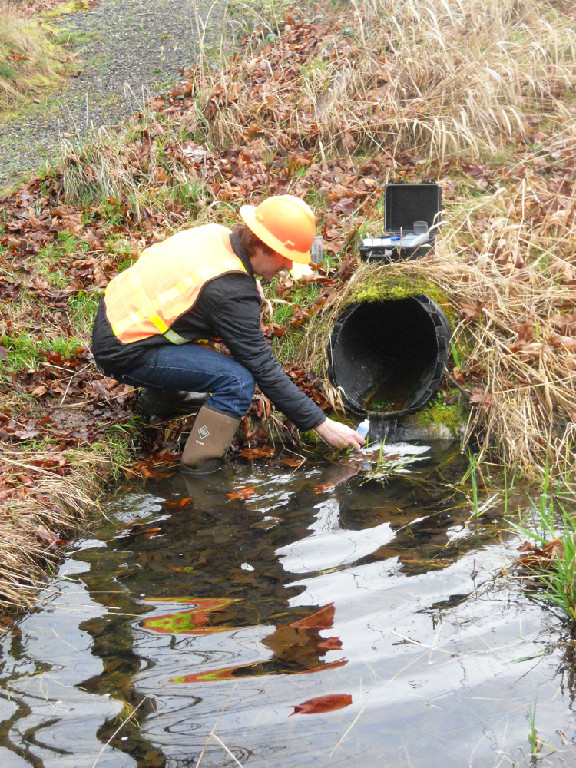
x=363 y=428
x=317 y=250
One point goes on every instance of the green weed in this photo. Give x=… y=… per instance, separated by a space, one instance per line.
x=7 y=72
x=533 y=738
x=550 y=522
x=440 y=412
x=26 y=352
x=121 y=443
x=83 y=308
x=471 y=475
x=386 y=465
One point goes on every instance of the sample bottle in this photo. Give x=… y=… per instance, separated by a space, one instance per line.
x=363 y=428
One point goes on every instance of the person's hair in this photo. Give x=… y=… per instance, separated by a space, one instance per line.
x=250 y=241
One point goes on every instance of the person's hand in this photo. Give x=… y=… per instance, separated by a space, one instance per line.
x=260 y=289
x=339 y=435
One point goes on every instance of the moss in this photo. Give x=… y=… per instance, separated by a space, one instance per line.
x=311 y=438
x=66 y=8
x=386 y=287
x=440 y=412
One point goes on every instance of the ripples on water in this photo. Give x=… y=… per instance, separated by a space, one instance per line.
x=324 y=620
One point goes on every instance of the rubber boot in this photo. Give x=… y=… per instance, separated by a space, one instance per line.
x=211 y=434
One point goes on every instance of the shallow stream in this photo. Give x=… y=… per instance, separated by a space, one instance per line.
x=317 y=617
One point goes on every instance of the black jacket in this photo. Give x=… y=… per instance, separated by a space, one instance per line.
x=228 y=307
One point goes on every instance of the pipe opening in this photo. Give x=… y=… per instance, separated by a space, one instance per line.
x=388 y=357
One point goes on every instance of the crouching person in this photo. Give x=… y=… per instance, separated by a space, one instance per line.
x=198 y=284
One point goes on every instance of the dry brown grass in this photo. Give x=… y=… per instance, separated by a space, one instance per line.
x=35 y=525
x=426 y=75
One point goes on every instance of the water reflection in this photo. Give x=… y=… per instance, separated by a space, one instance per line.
x=324 y=619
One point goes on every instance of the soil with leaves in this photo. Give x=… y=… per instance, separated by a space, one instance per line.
x=314 y=107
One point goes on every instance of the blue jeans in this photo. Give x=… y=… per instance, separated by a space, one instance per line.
x=193 y=368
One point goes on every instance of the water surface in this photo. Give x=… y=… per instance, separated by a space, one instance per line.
x=318 y=619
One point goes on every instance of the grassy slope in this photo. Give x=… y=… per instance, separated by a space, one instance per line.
x=31 y=60
x=316 y=106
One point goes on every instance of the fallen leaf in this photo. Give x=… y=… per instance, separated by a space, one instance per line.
x=209 y=675
x=321 y=704
x=51 y=539
x=290 y=462
x=322 y=619
x=324 y=488
x=534 y=557
x=189 y=622
x=184 y=502
x=264 y=452
x=242 y=493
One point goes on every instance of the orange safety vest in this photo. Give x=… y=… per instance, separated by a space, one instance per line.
x=166 y=281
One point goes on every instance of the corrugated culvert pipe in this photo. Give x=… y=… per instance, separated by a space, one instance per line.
x=388 y=357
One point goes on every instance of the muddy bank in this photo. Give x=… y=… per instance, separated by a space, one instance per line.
x=126 y=51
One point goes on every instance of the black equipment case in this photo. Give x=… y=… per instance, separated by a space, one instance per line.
x=412 y=217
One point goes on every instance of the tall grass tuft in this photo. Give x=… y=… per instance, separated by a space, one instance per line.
x=51 y=512
x=553 y=527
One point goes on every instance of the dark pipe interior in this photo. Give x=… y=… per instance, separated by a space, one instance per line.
x=388 y=357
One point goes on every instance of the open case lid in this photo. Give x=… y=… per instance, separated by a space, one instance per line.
x=407 y=203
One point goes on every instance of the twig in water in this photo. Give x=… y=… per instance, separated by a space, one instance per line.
x=225 y=748
x=117 y=731
x=213 y=731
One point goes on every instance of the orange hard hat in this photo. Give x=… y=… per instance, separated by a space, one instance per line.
x=285 y=223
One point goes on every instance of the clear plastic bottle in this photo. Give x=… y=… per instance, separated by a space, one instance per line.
x=363 y=428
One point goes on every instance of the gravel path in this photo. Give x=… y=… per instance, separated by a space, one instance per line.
x=129 y=49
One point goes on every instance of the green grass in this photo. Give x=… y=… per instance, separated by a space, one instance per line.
x=471 y=477
x=83 y=308
x=550 y=520
x=30 y=62
x=121 y=443
x=7 y=72
x=26 y=352
x=301 y=297
x=53 y=261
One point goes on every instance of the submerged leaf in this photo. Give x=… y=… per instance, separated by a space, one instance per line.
x=226 y=673
x=189 y=622
x=324 y=488
x=264 y=452
x=184 y=502
x=242 y=493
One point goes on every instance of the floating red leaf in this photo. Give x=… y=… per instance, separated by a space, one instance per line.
x=322 y=619
x=321 y=704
